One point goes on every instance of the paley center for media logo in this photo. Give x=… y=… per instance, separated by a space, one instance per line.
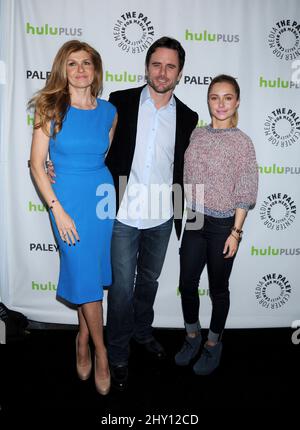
x=133 y=32
x=43 y=247
x=52 y=30
x=197 y=80
x=273 y=291
x=282 y=127
x=278 y=211
x=284 y=39
x=38 y=74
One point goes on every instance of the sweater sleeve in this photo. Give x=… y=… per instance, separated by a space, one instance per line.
x=245 y=192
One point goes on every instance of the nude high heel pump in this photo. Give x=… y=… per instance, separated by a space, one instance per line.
x=102 y=384
x=83 y=372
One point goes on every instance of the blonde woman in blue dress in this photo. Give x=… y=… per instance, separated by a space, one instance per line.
x=76 y=127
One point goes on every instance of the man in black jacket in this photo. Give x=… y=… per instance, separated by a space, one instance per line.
x=147 y=152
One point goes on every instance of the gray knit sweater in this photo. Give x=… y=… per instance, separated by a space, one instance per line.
x=224 y=161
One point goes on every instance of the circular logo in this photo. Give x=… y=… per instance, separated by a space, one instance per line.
x=282 y=127
x=284 y=39
x=273 y=291
x=278 y=211
x=133 y=32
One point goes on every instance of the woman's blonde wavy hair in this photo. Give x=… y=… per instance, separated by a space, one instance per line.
x=52 y=102
x=230 y=80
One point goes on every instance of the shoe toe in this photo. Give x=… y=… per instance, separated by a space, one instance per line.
x=155 y=349
x=209 y=360
x=119 y=377
x=188 y=351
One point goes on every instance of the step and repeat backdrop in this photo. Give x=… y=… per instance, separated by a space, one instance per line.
x=256 y=41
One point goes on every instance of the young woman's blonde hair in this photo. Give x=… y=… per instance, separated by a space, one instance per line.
x=230 y=80
x=52 y=102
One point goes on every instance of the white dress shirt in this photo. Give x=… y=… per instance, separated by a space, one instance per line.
x=147 y=201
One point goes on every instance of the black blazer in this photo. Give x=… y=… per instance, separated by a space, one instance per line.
x=120 y=155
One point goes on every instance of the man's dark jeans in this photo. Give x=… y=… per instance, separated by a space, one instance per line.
x=137 y=260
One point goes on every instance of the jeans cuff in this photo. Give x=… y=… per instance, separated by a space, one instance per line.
x=192 y=328
x=121 y=363
x=214 y=337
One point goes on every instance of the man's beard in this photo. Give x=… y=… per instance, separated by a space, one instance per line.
x=163 y=90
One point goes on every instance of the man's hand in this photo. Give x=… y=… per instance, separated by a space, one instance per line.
x=50 y=171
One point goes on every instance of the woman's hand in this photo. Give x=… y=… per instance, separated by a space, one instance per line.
x=231 y=246
x=65 y=225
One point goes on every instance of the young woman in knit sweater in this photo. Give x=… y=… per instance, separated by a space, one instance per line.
x=222 y=158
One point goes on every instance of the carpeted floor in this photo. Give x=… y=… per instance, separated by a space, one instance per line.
x=259 y=370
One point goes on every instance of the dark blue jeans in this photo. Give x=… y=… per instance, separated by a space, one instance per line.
x=137 y=260
x=205 y=247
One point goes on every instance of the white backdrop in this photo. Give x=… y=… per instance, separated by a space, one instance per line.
x=256 y=41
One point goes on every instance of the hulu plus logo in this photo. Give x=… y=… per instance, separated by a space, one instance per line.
x=278 y=83
x=274 y=252
x=201 y=123
x=206 y=36
x=48 y=286
x=279 y=170
x=50 y=30
x=35 y=207
x=30 y=120
x=124 y=77
x=201 y=292
x=273 y=291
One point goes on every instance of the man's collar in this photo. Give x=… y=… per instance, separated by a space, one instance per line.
x=145 y=95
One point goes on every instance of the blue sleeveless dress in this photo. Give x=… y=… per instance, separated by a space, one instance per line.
x=84 y=187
